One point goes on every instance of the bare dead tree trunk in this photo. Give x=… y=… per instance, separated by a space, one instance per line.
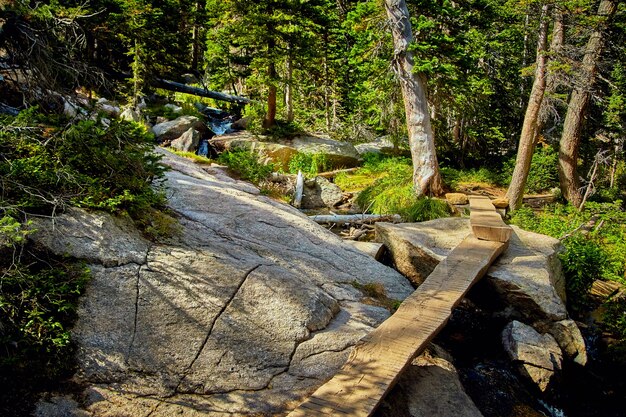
x=556 y=50
x=577 y=106
x=528 y=137
x=426 y=177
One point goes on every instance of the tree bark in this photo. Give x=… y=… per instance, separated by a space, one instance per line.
x=426 y=177
x=289 y=88
x=552 y=82
x=270 y=117
x=528 y=137
x=577 y=106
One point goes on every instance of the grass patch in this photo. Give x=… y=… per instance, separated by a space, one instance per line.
x=470 y=178
x=190 y=155
x=310 y=164
x=393 y=194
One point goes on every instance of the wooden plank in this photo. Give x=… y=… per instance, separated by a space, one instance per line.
x=486 y=222
x=379 y=358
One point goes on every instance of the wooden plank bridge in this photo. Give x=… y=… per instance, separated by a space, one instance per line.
x=380 y=357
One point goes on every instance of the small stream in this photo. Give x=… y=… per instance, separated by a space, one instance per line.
x=473 y=337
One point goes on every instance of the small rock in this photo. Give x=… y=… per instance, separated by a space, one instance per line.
x=430 y=386
x=188 y=141
x=457 y=198
x=571 y=341
x=130 y=115
x=173 y=107
x=241 y=124
x=539 y=356
x=320 y=192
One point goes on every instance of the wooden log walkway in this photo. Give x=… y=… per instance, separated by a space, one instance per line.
x=379 y=358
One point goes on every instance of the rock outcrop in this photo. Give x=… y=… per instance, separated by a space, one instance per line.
x=527 y=276
x=338 y=154
x=173 y=129
x=538 y=355
x=247 y=309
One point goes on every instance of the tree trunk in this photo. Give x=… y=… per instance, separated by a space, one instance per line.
x=528 y=137
x=556 y=50
x=426 y=178
x=577 y=106
x=289 y=88
x=270 y=117
x=196 y=47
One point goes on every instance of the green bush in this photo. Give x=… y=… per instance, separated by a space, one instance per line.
x=393 y=194
x=246 y=164
x=543 y=174
x=83 y=163
x=310 y=164
x=583 y=262
x=596 y=254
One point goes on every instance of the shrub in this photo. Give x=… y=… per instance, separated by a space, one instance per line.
x=596 y=254
x=246 y=164
x=86 y=164
x=543 y=174
x=310 y=164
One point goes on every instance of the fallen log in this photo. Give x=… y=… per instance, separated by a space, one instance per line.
x=354 y=218
x=332 y=174
x=197 y=91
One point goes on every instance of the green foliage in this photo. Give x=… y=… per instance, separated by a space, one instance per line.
x=38 y=299
x=597 y=254
x=456 y=178
x=583 y=262
x=86 y=164
x=543 y=174
x=246 y=164
x=393 y=193
x=310 y=164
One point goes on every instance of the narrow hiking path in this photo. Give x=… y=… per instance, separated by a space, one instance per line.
x=378 y=360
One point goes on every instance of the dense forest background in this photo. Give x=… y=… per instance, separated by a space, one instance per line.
x=328 y=64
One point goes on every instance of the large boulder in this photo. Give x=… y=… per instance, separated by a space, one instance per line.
x=247 y=310
x=319 y=192
x=538 y=355
x=527 y=276
x=270 y=152
x=381 y=144
x=339 y=154
x=430 y=386
x=173 y=129
x=188 y=141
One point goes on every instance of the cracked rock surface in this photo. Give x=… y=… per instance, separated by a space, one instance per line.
x=245 y=311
